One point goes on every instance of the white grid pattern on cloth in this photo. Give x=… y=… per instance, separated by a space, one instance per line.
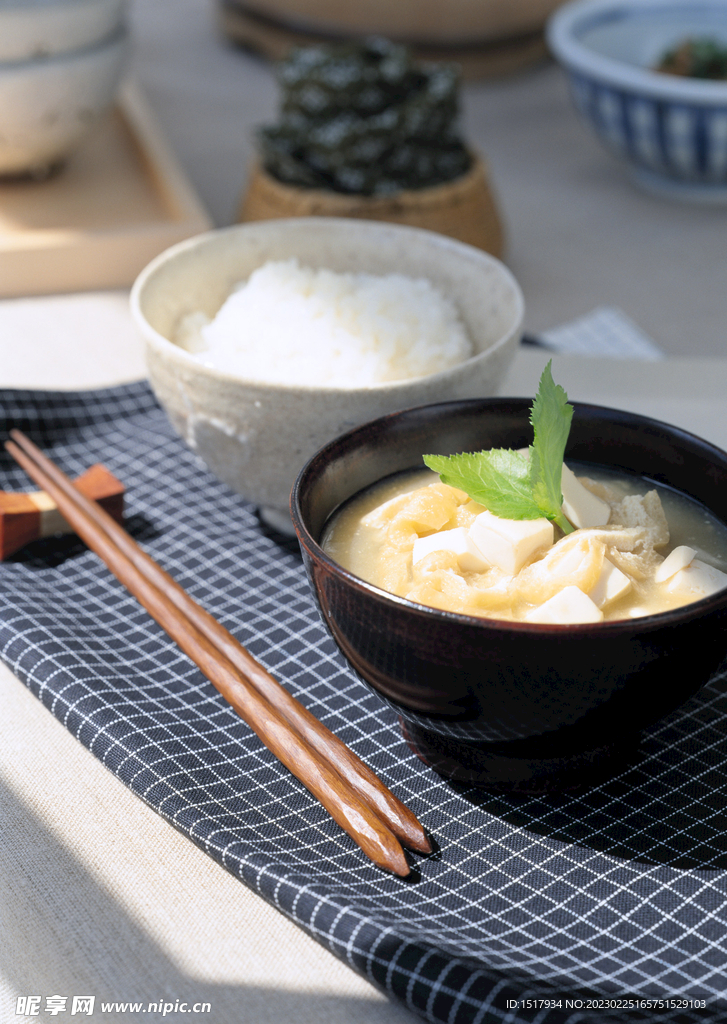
x=605 y=332
x=621 y=889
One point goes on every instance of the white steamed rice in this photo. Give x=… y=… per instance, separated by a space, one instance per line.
x=293 y=325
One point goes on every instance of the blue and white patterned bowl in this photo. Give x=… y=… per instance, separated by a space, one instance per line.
x=672 y=130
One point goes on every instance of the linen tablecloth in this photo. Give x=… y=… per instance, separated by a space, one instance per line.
x=617 y=893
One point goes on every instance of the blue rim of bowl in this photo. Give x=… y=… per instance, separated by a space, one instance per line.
x=568 y=22
x=643 y=623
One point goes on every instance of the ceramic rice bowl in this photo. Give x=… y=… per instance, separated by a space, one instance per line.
x=257 y=436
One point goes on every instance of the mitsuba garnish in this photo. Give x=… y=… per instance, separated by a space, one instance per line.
x=513 y=485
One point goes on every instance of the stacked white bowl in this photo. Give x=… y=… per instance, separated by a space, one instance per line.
x=61 y=62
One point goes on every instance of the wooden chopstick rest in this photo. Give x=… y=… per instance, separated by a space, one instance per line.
x=30 y=516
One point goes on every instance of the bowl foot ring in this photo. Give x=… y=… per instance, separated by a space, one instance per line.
x=476 y=766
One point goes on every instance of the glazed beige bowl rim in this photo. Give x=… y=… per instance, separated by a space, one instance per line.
x=119 y=37
x=171 y=350
x=44 y=30
x=23 y=7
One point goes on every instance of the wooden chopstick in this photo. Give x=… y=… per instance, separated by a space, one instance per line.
x=400 y=820
x=354 y=796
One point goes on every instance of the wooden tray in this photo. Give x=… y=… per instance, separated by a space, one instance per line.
x=488 y=58
x=119 y=201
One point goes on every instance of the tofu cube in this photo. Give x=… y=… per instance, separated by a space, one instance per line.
x=697 y=580
x=569 y=562
x=458 y=542
x=611 y=584
x=567 y=607
x=678 y=559
x=580 y=507
x=509 y=543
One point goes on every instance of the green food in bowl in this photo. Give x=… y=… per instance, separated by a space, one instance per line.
x=696 y=58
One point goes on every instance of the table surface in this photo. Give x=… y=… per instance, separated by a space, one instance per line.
x=580 y=234
x=132 y=911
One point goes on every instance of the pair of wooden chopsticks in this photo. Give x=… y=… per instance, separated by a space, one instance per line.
x=352 y=794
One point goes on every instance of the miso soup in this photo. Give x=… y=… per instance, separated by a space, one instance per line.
x=421 y=539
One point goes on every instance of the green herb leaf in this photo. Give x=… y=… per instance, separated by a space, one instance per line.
x=550 y=417
x=506 y=482
x=499 y=479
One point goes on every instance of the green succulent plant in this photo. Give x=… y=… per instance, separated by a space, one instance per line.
x=364 y=118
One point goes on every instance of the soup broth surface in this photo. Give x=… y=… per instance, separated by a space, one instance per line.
x=373 y=535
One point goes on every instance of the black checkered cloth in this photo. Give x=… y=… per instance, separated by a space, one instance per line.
x=587 y=901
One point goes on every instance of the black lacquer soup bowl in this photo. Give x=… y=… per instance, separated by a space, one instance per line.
x=508 y=704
